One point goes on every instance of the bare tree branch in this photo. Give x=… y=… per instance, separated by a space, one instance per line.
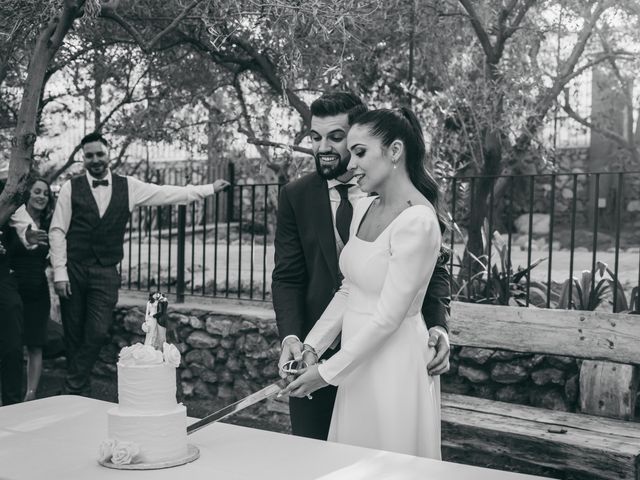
x=123 y=149
x=549 y=97
x=268 y=71
x=476 y=23
x=627 y=144
x=71 y=159
x=269 y=143
x=596 y=61
x=509 y=31
x=610 y=134
x=48 y=42
x=247 y=118
x=147 y=46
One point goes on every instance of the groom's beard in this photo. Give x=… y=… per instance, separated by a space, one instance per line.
x=330 y=165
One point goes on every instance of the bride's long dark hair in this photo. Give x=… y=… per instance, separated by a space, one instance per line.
x=390 y=125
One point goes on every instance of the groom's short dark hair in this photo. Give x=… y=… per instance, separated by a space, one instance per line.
x=337 y=103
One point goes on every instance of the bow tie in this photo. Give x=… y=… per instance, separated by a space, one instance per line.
x=100 y=183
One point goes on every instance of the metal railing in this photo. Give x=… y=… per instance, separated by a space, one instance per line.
x=575 y=222
x=219 y=247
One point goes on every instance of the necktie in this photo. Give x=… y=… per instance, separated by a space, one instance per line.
x=100 y=183
x=344 y=212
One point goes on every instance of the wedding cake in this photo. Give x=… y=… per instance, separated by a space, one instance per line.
x=148 y=426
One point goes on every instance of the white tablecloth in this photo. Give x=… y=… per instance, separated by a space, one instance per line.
x=58 y=438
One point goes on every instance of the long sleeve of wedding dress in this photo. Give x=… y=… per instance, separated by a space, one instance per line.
x=414 y=245
x=328 y=327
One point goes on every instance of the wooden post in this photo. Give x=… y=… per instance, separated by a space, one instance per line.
x=608 y=389
x=182 y=227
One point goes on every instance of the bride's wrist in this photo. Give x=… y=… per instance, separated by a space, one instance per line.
x=306 y=348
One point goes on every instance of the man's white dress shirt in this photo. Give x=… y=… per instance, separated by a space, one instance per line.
x=140 y=194
x=355 y=194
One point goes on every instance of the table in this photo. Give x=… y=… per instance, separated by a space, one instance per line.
x=58 y=438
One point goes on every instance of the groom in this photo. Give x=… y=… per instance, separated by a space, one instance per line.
x=314 y=214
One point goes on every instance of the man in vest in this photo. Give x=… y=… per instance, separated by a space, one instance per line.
x=87 y=236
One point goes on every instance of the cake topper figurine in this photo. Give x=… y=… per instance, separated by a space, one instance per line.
x=155 y=321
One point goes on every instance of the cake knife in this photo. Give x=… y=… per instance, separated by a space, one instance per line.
x=238 y=406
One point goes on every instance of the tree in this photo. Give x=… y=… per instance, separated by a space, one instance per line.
x=57 y=21
x=618 y=74
x=266 y=40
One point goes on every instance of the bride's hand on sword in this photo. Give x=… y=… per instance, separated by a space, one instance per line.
x=307 y=381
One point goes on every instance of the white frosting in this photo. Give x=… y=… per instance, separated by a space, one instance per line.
x=148 y=415
x=140 y=354
x=161 y=436
x=146 y=389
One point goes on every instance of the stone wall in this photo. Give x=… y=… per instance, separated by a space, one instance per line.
x=226 y=353
x=529 y=379
x=230 y=352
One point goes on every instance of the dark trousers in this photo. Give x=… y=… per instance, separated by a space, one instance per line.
x=10 y=342
x=87 y=317
x=311 y=418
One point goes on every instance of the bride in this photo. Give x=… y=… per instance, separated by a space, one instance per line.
x=385 y=398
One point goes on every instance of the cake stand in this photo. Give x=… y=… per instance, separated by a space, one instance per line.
x=192 y=454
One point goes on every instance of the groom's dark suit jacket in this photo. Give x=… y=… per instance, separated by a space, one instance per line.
x=305 y=278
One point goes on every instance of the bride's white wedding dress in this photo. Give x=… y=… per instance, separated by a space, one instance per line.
x=386 y=399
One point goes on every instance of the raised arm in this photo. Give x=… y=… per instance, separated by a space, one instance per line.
x=141 y=193
x=415 y=241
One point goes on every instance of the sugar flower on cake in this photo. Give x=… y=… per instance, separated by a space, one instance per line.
x=147 y=355
x=124 y=453
x=171 y=354
x=126 y=354
x=105 y=450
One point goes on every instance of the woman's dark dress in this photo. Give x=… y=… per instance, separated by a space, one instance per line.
x=29 y=271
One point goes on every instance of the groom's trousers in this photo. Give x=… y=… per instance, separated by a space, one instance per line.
x=311 y=418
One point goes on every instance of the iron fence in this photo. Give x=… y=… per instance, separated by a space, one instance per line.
x=536 y=232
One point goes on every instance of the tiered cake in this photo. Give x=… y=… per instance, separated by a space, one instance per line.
x=148 y=426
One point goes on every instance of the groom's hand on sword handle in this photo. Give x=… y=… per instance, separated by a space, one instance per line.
x=291 y=350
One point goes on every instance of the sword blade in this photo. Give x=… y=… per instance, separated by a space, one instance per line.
x=236 y=407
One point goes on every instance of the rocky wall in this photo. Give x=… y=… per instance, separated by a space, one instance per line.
x=545 y=381
x=226 y=356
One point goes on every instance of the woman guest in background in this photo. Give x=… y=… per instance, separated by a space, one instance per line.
x=385 y=400
x=29 y=247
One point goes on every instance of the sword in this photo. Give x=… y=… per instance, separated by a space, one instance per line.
x=237 y=406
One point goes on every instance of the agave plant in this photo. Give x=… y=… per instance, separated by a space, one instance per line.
x=497 y=283
x=594 y=288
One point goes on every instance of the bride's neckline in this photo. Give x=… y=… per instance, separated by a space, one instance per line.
x=361 y=221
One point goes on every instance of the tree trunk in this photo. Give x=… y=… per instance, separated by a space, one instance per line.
x=47 y=44
x=481 y=190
